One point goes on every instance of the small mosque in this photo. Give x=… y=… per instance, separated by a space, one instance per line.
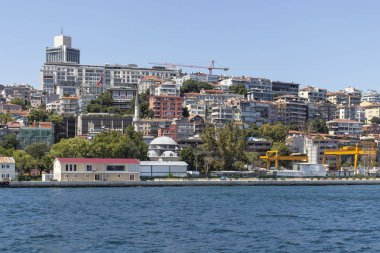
x=163 y=148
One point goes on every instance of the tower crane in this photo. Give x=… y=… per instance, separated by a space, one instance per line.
x=174 y=65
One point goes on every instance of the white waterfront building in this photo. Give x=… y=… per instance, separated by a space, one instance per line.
x=163 y=168
x=7 y=169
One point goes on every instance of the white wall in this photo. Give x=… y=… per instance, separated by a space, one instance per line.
x=7 y=173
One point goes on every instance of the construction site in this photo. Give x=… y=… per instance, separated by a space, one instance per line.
x=345 y=161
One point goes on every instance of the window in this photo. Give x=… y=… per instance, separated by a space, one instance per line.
x=115 y=168
x=71 y=167
x=131 y=177
x=75 y=167
x=67 y=167
x=89 y=167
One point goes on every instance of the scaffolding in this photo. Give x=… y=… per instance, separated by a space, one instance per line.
x=367 y=150
x=272 y=155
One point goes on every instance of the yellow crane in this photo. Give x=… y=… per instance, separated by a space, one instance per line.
x=272 y=155
x=349 y=150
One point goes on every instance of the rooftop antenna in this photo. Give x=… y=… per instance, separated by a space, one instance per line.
x=61 y=30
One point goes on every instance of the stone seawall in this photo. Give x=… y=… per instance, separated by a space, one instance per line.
x=173 y=183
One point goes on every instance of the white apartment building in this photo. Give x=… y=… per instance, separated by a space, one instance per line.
x=344 y=127
x=312 y=93
x=224 y=113
x=372 y=96
x=53 y=106
x=249 y=82
x=166 y=88
x=69 y=106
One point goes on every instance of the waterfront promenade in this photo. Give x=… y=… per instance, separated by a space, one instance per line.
x=196 y=182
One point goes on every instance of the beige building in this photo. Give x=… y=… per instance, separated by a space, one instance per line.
x=96 y=169
x=372 y=111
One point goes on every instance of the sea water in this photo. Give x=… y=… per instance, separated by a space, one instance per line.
x=191 y=219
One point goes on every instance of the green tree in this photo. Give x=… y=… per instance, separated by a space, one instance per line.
x=114 y=144
x=37 y=115
x=317 y=126
x=275 y=133
x=6 y=151
x=226 y=145
x=238 y=89
x=70 y=148
x=194 y=86
x=5 y=118
x=188 y=155
x=104 y=103
x=281 y=147
x=57 y=120
x=135 y=146
x=107 y=145
x=375 y=120
x=19 y=101
x=252 y=131
x=9 y=141
x=145 y=112
x=39 y=152
x=185 y=112
x=253 y=158
x=24 y=162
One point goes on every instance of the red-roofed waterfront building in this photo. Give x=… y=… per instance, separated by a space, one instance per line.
x=96 y=169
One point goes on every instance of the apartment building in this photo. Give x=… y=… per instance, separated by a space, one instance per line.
x=88 y=123
x=290 y=110
x=69 y=106
x=284 y=88
x=150 y=127
x=351 y=112
x=257 y=112
x=312 y=94
x=166 y=107
x=344 y=127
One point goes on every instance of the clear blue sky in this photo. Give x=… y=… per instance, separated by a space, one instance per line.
x=327 y=43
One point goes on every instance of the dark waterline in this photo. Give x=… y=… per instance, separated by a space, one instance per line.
x=191 y=219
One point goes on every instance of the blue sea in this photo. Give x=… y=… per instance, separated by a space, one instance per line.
x=191 y=219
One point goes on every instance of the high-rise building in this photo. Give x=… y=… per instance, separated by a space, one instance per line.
x=89 y=81
x=62 y=52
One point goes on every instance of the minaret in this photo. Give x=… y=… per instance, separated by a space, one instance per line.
x=136 y=118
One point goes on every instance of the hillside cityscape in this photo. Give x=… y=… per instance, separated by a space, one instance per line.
x=125 y=122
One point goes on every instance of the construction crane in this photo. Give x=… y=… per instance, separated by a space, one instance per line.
x=174 y=65
x=272 y=155
x=349 y=150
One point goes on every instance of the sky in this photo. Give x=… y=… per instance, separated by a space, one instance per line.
x=326 y=43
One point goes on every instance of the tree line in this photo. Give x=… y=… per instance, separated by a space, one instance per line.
x=40 y=156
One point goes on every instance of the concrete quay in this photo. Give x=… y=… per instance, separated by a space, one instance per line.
x=181 y=182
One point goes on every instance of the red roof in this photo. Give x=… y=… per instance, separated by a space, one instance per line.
x=99 y=160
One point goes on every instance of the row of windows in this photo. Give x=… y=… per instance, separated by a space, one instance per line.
x=131 y=177
x=4 y=175
x=71 y=167
x=3 y=166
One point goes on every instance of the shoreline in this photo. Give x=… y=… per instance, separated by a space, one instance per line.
x=175 y=183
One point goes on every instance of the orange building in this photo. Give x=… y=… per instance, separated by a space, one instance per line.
x=166 y=107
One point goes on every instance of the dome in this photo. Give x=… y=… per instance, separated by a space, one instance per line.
x=169 y=154
x=152 y=153
x=163 y=140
